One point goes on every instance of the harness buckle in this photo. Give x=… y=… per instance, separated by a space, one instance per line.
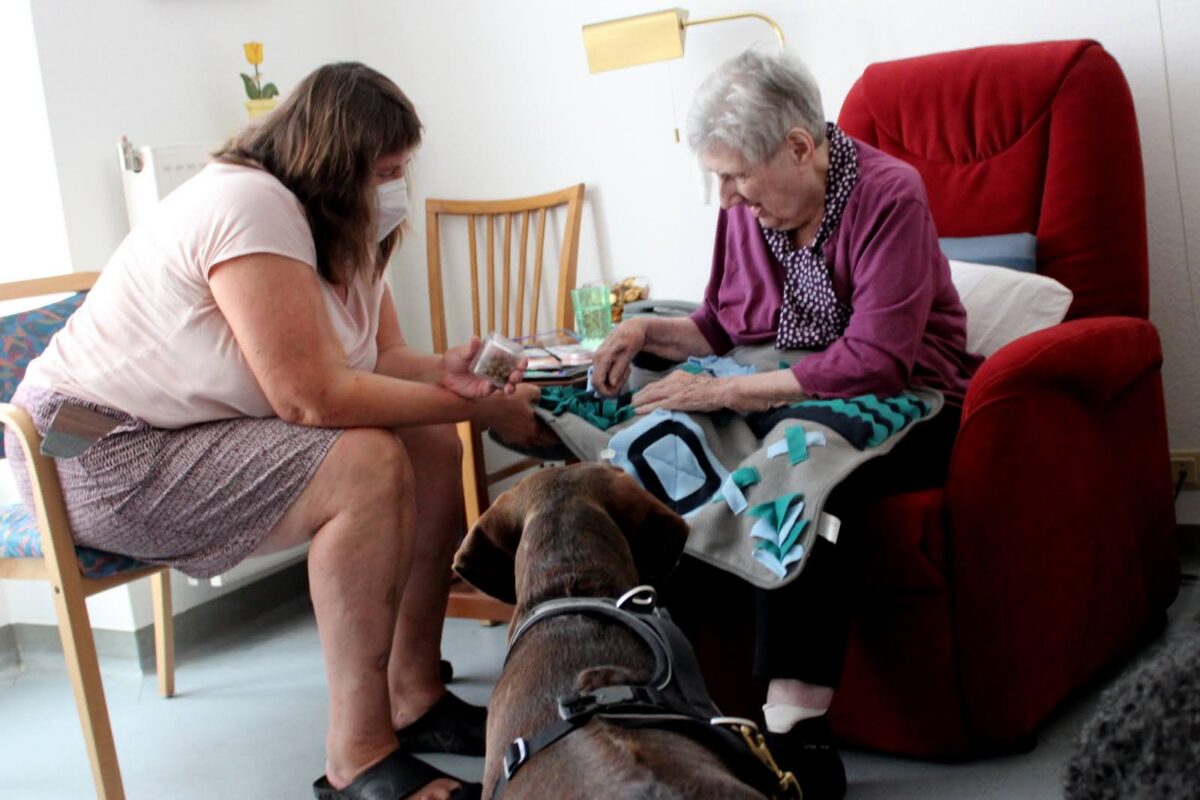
x=572 y=707
x=643 y=598
x=514 y=756
x=789 y=787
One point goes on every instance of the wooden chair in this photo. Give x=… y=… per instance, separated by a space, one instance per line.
x=512 y=309
x=40 y=546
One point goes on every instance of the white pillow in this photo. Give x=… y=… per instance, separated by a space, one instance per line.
x=1004 y=304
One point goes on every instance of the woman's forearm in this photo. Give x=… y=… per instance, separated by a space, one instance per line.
x=675 y=338
x=762 y=390
x=352 y=398
x=403 y=362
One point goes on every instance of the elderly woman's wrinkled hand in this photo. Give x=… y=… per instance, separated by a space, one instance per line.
x=683 y=391
x=612 y=361
x=459 y=379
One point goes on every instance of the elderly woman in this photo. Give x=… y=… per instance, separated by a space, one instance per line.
x=823 y=243
x=244 y=344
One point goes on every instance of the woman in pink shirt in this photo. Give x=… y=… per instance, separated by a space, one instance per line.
x=246 y=347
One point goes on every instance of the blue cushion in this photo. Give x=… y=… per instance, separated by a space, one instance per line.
x=1014 y=250
x=20 y=538
x=25 y=335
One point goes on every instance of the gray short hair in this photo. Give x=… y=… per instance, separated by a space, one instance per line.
x=750 y=103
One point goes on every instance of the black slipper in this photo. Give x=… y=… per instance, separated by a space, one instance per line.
x=395 y=777
x=449 y=726
x=809 y=753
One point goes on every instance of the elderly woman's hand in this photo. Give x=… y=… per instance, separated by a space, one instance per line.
x=611 y=363
x=683 y=391
x=459 y=379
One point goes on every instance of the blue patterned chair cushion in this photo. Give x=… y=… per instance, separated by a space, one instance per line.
x=25 y=335
x=20 y=538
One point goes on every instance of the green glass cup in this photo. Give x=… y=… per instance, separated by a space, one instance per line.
x=593 y=313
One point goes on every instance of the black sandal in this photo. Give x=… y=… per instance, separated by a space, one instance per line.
x=395 y=777
x=451 y=725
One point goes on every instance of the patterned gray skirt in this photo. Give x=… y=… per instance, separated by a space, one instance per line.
x=199 y=498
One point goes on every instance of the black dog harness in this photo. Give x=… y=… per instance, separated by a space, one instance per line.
x=674 y=698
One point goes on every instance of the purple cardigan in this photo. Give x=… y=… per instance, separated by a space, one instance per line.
x=907 y=324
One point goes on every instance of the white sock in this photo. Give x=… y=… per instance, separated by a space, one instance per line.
x=781 y=718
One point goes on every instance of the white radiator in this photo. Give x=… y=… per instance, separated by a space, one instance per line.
x=148 y=174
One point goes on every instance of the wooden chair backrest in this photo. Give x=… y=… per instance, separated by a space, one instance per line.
x=517 y=300
x=55 y=284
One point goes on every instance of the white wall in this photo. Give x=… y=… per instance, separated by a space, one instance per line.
x=1181 y=35
x=509 y=108
x=31 y=215
x=162 y=73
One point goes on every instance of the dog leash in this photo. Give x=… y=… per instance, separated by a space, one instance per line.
x=674 y=698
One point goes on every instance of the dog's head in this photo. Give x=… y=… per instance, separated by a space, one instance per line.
x=655 y=533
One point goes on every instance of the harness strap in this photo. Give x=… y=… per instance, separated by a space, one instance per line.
x=605 y=608
x=675 y=699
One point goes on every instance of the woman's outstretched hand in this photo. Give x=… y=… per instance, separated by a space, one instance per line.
x=459 y=379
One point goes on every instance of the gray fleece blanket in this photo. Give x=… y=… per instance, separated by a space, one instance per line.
x=752 y=487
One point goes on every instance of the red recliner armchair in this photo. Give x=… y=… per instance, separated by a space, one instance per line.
x=1052 y=547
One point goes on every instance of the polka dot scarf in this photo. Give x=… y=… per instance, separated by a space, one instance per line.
x=811 y=317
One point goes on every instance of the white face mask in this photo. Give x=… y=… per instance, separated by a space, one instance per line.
x=391 y=207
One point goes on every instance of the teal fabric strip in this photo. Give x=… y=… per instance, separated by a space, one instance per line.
x=692 y=367
x=792 y=536
x=908 y=408
x=797 y=445
x=894 y=419
x=746 y=476
x=602 y=413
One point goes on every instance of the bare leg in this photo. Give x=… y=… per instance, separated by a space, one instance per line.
x=798 y=693
x=358 y=511
x=413 y=668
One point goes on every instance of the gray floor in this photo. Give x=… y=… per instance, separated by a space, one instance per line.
x=248 y=723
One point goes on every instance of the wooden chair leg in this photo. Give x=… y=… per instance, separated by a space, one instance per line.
x=164 y=632
x=474 y=472
x=79 y=648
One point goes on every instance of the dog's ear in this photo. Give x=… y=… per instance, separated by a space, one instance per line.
x=655 y=533
x=487 y=557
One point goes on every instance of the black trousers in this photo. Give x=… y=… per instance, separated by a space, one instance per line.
x=802 y=628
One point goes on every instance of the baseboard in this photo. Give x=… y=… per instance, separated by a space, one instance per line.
x=34 y=646
x=10 y=656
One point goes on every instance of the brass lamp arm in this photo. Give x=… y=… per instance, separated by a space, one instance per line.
x=774 y=25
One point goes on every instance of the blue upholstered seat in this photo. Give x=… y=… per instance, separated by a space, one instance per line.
x=20 y=538
x=25 y=335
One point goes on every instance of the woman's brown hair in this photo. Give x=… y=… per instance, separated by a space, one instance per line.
x=322 y=143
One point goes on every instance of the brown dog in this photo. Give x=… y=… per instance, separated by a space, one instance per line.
x=588 y=530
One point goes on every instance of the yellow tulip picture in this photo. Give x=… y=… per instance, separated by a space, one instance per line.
x=254 y=85
x=253 y=52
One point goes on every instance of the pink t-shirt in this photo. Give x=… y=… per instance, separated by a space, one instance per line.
x=150 y=340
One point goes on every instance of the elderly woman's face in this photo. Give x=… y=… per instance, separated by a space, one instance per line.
x=782 y=192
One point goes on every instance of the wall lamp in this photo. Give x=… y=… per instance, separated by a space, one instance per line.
x=646 y=38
